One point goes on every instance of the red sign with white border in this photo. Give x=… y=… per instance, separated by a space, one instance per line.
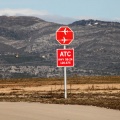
x=64 y=35
x=65 y=57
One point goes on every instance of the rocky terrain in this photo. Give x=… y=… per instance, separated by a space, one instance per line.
x=28 y=47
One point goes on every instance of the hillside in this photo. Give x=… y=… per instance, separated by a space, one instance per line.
x=28 y=47
x=98 y=48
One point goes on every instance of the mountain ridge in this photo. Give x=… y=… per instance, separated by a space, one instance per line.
x=28 y=47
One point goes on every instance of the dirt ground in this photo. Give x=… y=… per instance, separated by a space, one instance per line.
x=96 y=91
x=38 y=111
x=74 y=88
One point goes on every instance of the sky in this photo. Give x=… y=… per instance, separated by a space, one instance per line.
x=63 y=11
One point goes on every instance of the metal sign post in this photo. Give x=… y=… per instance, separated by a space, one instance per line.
x=65 y=79
x=65 y=82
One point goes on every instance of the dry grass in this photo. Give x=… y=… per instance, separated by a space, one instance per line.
x=103 y=91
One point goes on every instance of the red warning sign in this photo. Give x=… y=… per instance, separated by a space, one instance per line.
x=65 y=57
x=64 y=35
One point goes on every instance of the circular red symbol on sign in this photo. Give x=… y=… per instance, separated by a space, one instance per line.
x=64 y=35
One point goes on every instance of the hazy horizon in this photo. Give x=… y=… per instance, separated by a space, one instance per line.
x=63 y=11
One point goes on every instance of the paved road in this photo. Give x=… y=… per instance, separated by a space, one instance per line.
x=38 y=111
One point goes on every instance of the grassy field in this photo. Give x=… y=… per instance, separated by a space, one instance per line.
x=103 y=91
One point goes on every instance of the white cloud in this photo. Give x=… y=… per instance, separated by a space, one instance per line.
x=37 y=13
x=27 y=12
x=58 y=19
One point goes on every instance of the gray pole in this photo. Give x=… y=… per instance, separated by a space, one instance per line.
x=65 y=79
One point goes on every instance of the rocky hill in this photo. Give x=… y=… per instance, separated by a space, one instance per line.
x=28 y=47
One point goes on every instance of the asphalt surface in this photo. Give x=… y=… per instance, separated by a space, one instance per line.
x=38 y=111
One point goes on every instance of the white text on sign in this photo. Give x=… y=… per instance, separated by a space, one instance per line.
x=65 y=53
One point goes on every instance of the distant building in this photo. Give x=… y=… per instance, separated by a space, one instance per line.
x=16 y=55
